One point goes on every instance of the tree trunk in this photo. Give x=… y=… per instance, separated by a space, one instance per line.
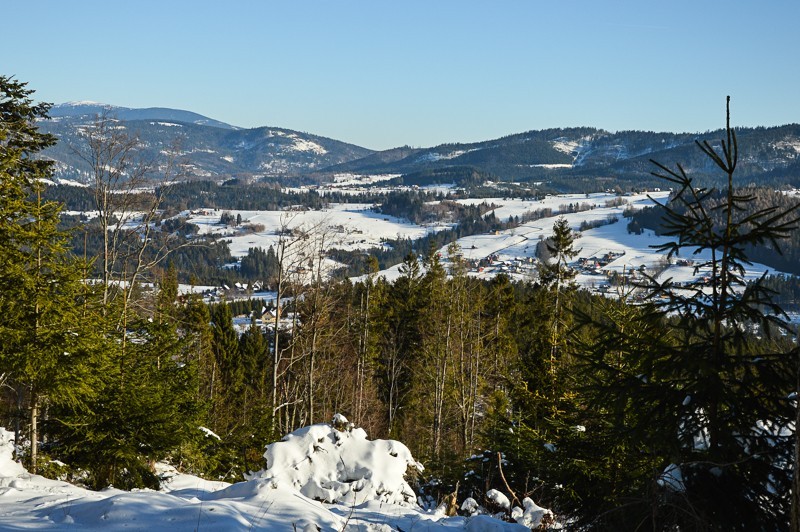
x=276 y=348
x=311 y=377
x=34 y=431
x=18 y=420
x=796 y=469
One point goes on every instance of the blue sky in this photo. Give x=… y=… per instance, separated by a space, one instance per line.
x=382 y=74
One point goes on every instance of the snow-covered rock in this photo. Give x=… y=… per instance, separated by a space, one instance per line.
x=341 y=466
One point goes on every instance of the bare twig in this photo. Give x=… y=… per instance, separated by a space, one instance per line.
x=502 y=475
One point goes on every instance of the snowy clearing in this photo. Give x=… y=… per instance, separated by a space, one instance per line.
x=513 y=251
x=348 y=226
x=363 y=481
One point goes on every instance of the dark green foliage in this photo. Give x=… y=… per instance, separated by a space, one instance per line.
x=48 y=347
x=74 y=198
x=179 y=225
x=701 y=390
x=145 y=409
x=259 y=265
x=561 y=251
x=460 y=176
x=786 y=289
x=208 y=195
x=225 y=346
x=401 y=338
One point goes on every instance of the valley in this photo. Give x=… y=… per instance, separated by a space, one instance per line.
x=262 y=282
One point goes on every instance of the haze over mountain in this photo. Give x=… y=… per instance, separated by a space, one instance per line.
x=215 y=150
x=86 y=108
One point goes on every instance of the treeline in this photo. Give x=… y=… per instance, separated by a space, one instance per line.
x=237 y=196
x=429 y=359
x=786 y=289
x=460 y=176
x=422 y=208
x=186 y=195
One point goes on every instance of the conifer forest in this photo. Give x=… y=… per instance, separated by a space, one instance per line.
x=664 y=405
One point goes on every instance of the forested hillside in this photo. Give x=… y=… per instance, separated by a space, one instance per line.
x=664 y=408
x=588 y=159
x=578 y=159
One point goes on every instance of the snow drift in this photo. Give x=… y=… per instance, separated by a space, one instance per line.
x=336 y=463
x=363 y=482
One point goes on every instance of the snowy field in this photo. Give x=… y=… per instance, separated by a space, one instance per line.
x=353 y=184
x=355 y=226
x=346 y=226
x=517 y=207
x=514 y=249
x=361 y=480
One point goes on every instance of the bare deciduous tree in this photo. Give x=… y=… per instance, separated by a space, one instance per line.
x=128 y=194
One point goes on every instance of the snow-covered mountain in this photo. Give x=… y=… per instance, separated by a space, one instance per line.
x=588 y=153
x=566 y=157
x=92 y=109
x=208 y=148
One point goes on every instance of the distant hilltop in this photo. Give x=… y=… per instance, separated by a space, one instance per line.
x=570 y=158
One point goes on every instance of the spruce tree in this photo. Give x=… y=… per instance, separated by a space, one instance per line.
x=706 y=387
x=558 y=277
x=401 y=341
x=48 y=345
x=228 y=374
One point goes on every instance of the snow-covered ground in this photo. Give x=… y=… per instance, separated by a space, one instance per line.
x=513 y=250
x=347 y=226
x=517 y=207
x=356 y=226
x=326 y=477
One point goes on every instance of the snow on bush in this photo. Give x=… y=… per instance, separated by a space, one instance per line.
x=8 y=467
x=499 y=499
x=270 y=502
x=336 y=463
x=470 y=506
x=533 y=516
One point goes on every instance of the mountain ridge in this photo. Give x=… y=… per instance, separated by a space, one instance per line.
x=208 y=149
x=91 y=109
x=215 y=150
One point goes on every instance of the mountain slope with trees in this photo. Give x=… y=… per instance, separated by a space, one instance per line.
x=588 y=159
x=675 y=412
x=207 y=151
x=567 y=159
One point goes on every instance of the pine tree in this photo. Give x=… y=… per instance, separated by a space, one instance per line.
x=400 y=340
x=561 y=249
x=434 y=365
x=228 y=375
x=47 y=343
x=145 y=408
